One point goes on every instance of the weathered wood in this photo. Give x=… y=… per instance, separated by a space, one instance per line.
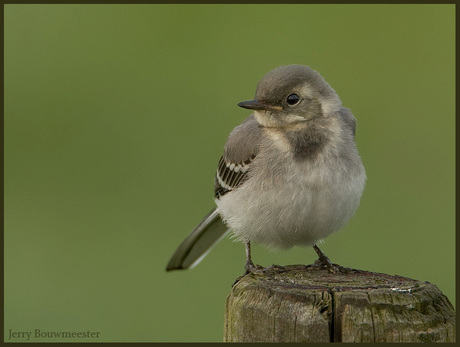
x=306 y=304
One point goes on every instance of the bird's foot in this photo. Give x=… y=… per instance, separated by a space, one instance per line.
x=333 y=268
x=249 y=267
x=326 y=263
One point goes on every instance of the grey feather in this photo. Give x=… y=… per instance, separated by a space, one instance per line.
x=240 y=150
x=243 y=141
x=349 y=119
x=200 y=241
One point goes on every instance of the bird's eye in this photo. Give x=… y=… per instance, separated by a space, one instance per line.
x=293 y=99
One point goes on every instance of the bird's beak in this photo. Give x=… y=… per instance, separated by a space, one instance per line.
x=258 y=105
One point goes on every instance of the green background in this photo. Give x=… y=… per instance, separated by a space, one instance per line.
x=116 y=116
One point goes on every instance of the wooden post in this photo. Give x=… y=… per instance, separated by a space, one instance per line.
x=300 y=303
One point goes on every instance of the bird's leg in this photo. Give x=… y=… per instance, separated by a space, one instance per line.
x=324 y=261
x=249 y=264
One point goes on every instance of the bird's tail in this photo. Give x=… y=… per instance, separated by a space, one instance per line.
x=198 y=244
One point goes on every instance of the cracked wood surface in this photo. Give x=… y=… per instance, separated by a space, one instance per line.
x=301 y=303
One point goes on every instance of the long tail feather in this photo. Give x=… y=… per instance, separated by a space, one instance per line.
x=198 y=244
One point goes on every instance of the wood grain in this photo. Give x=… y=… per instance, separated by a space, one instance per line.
x=307 y=304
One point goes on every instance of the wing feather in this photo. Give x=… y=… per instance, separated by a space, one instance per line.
x=240 y=151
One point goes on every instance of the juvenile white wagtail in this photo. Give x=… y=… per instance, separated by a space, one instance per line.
x=290 y=173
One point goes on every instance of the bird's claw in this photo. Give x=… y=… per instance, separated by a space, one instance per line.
x=249 y=267
x=326 y=263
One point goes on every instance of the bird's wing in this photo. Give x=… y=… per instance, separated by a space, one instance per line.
x=349 y=119
x=240 y=151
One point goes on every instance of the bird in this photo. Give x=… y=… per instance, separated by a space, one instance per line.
x=290 y=173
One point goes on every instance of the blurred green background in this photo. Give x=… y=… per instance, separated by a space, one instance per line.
x=116 y=116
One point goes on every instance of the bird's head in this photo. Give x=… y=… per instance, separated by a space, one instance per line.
x=292 y=94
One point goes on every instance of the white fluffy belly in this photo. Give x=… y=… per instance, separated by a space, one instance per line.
x=301 y=209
